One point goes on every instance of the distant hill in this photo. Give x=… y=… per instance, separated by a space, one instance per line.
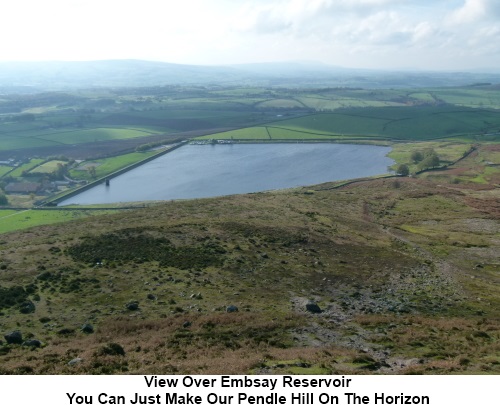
x=25 y=77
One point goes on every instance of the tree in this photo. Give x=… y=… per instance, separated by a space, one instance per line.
x=429 y=162
x=3 y=199
x=416 y=156
x=403 y=170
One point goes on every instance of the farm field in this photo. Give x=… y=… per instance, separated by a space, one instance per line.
x=18 y=171
x=107 y=128
x=48 y=167
x=388 y=123
x=4 y=170
x=108 y=117
x=106 y=166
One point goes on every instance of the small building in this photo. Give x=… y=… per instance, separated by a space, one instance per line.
x=23 y=188
x=9 y=162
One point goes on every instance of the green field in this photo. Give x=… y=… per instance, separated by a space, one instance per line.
x=48 y=167
x=11 y=220
x=389 y=123
x=107 y=166
x=4 y=170
x=108 y=116
x=94 y=135
x=18 y=172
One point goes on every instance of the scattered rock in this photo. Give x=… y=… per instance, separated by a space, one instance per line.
x=186 y=324
x=87 y=328
x=32 y=343
x=313 y=307
x=151 y=297
x=65 y=331
x=75 y=361
x=132 y=306
x=27 y=307
x=232 y=308
x=15 y=338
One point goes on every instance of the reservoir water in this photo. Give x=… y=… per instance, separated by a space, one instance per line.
x=196 y=171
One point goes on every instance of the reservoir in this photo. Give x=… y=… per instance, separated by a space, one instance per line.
x=197 y=171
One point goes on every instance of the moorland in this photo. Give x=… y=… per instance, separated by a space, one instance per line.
x=397 y=274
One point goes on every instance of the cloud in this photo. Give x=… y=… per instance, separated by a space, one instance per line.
x=369 y=33
x=475 y=10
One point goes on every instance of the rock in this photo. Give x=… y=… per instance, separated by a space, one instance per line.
x=186 y=324
x=75 y=361
x=15 y=338
x=132 y=306
x=232 y=308
x=151 y=297
x=27 y=307
x=312 y=307
x=32 y=343
x=87 y=328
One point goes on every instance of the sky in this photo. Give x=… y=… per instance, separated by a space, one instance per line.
x=375 y=34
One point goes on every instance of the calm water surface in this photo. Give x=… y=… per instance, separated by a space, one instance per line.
x=195 y=171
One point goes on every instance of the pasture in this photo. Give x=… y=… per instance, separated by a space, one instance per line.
x=94 y=135
x=4 y=170
x=385 y=123
x=106 y=166
x=25 y=168
x=48 y=167
x=93 y=116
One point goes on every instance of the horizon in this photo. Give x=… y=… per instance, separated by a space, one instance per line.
x=306 y=64
x=438 y=35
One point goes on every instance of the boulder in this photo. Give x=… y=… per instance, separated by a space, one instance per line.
x=87 y=328
x=27 y=307
x=65 y=331
x=15 y=338
x=32 y=343
x=232 y=308
x=313 y=307
x=75 y=361
x=132 y=306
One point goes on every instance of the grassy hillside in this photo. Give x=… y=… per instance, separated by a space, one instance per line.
x=403 y=273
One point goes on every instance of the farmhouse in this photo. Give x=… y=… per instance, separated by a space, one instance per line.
x=22 y=188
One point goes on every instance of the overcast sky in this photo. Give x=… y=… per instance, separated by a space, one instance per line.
x=396 y=34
